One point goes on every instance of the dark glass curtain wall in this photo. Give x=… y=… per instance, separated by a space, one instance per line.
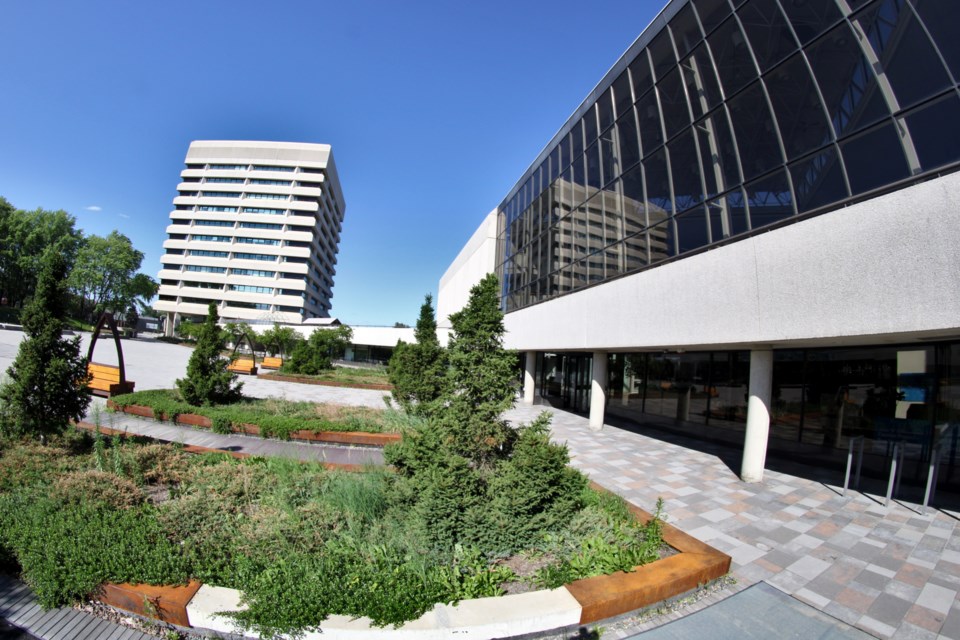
x=731 y=120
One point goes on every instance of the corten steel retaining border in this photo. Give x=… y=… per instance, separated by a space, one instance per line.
x=360 y=438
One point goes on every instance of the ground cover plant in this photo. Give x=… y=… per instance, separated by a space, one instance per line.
x=276 y=417
x=345 y=376
x=300 y=542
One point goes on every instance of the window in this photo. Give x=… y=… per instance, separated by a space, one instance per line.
x=211 y=238
x=222 y=209
x=175 y=252
x=219 y=194
x=204 y=269
x=281 y=183
x=261 y=225
x=226 y=180
x=248 y=305
x=202 y=285
x=266 y=196
x=263 y=241
x=254 y=256
x=252 y=272
x=212 y=223
x=208 y=254
x=273 y=212
x=243 y=288
x=229 y=167
x=267 y=167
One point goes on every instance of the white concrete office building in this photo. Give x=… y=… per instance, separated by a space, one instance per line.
x=749 y=232
x=255 y=227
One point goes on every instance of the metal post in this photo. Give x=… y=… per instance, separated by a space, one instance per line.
x=895 y=460
x=931 y=478
x=858 y=440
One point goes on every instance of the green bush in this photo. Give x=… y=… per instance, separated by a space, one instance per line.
x=208 y=382
x=315 y=354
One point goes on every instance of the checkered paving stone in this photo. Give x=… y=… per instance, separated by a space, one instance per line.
x=886 y=570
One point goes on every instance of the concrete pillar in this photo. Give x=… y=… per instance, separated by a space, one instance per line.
x=758 y=415
x=529 y=377
x=598 y=390
x=168 y=325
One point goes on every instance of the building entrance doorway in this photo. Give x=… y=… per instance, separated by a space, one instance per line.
x=565 y=378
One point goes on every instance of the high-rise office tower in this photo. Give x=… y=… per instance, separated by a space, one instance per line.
x=255 y=227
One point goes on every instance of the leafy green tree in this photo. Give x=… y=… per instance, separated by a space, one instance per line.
x=46 y=389
x=105 y=273
x=24 y=237
x=417 y=370
x=481 y=377
x=278 y=340
x=315 y=354
x=208 y=382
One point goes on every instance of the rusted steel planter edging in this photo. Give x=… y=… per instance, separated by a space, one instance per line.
x=695 y=564
x=167 y=604
x=333 y=437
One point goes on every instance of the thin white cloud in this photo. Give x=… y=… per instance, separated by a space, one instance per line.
x=123 y=215
x=93 y=207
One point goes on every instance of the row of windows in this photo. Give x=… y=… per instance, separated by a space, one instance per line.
x=775 y=109
x=258 y=273
x=245 y=167
x=207 y=238
x=239 y=194
x=241 y=225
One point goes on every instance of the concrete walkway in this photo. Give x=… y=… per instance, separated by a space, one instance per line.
x=886 y=570
x=19 y=606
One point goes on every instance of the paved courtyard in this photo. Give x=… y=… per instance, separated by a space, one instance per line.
x=886 y=570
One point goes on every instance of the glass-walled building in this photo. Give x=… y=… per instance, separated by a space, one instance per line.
x=726 y=119
x=757 y=206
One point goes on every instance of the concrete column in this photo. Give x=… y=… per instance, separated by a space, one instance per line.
x=758 y=415
x=529 y=377
x=598 y=390
x=168 y=325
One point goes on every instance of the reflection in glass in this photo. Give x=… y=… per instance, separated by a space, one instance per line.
x=686 y=31
x=770 y=36
x=803 y=124
x=941 y=19
x=769 y=200
x=648 y=114
x=692 y=230
x=732 y=57
x=818 y=180
x=717 y=152
x=622 y=94
x=658 y=184
x=711 y=12
x=641 y=75
x=629 y=142
x=903 y=49
x=728 y=215
x=673 y=102
x=701 y=82
x=756 y=137
x=811 y=17
x=685 y=168
x=661 y=54
x=847 y=83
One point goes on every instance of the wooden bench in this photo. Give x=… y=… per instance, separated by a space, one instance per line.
x=105 y=380
x=245 y=366
x=271 y=363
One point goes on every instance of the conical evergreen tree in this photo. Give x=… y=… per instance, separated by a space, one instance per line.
x=417 y=370
x=46 y=389
x=208 y=381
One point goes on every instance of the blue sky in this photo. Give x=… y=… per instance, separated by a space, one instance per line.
x=433 y=109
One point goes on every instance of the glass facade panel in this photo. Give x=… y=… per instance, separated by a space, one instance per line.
x=941 y=20
x=686 y=30
x=849 y=88
x=811 y=17
x=800 y=116
x=702 y=86
x=629 y=143
x=903 y=48
x=818 y=180
x=843 y=116
x=935 y=132
x=673 y=102
x=874 y=159
x=685 y=168
x=648 y=115
x=770 y=36
x=732 y=57
x=769 y=200
x=711 y=12
x=756 y=136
